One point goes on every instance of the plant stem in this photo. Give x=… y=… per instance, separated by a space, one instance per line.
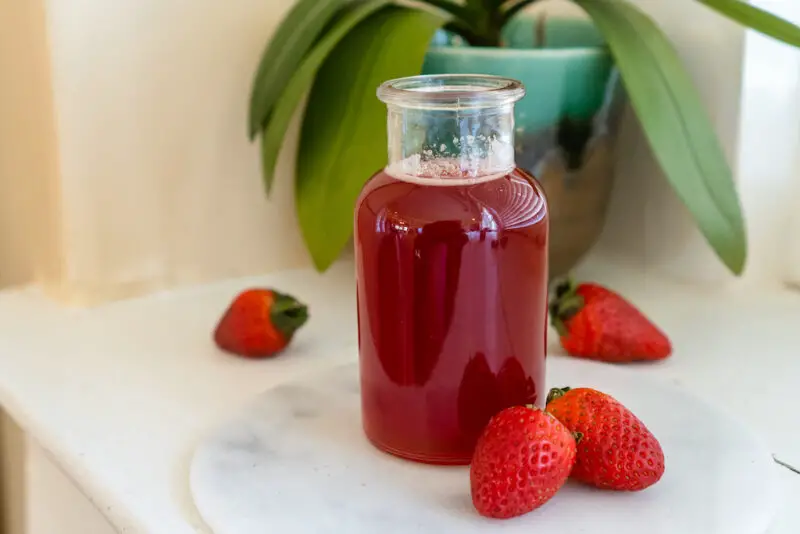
x=480 y=23
x=474 y=38
x=464 y=31
x=512 y=8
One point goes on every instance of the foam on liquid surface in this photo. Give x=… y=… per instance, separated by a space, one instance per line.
x=442 y=172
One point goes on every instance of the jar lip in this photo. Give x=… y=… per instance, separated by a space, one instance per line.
x=451 y=91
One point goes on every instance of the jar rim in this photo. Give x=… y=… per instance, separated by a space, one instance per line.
x=451 y=91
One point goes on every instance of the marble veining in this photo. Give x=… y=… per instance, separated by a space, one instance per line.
x=296 y=461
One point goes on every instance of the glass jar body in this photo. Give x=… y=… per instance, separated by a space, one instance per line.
x=452 y=308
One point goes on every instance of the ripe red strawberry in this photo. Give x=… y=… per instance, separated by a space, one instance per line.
x=521 y=460
x=596 y=323
x=259 y=323
x=616 y=451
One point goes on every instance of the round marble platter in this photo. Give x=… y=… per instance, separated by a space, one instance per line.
x=296 y=461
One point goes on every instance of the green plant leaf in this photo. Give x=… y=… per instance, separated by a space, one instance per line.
x=757 y=19
x=676 y=124
x=449 y=6
x=294 y=37
x=273 y=135
x=343 y=140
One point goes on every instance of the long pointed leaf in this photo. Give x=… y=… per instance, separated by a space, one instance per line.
x=275 y=131
x=294 y=37
x=758 y=19
x=343 y=141
x=676 y=124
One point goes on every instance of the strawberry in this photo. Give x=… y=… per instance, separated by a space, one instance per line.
x=616 y=451
x=596 y=323
x=259 y=323
x=521 y=460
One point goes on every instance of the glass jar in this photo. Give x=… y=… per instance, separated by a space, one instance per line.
x=451 y=256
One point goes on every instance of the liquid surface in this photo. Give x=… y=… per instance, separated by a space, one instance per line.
x=452 y=290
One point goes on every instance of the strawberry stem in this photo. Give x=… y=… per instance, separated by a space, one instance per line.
x=562 y=287
x=564 y=304
x=556 y=393
x=287 y=314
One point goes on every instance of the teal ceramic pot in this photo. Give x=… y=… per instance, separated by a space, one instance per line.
x=566 y=124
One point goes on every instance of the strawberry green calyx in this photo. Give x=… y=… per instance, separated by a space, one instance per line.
x=564 y=304
x=287 y=314
x=556 y=393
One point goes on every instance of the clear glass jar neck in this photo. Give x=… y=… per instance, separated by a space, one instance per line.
x=451 y=126
x=469 y=143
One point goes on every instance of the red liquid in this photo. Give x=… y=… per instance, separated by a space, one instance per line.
x=452 y=308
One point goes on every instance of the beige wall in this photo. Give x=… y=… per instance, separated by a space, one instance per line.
x=28 y=163
x=159 y=184
x=143 y=178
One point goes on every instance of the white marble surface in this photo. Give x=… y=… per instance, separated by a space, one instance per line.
x=120 y=395
x=296 y=461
